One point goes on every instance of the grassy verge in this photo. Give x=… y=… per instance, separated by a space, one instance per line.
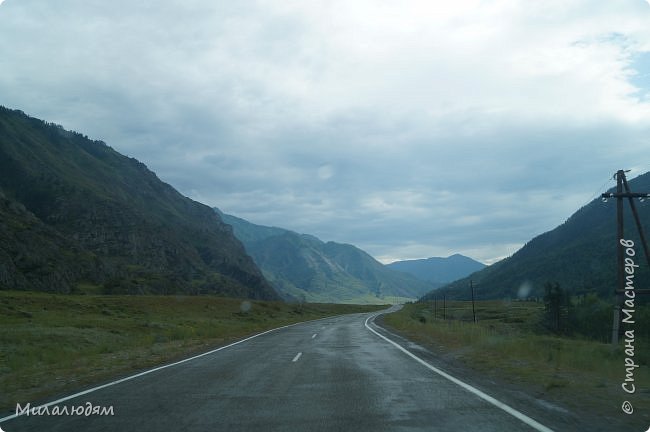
x=506 y=344
x=52 y=344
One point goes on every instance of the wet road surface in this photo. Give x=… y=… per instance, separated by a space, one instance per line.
x=333 y=374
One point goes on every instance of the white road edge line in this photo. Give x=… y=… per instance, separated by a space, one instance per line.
x=112 y=383
x=513 y=412
x=295 y=359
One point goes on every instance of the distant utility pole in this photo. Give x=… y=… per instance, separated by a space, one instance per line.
x=444 y=307
x=471 y=287
x=621 y=182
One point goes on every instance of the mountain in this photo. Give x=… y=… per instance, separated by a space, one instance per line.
x=301 y=267
x=580 y=255
x=77 y=216
x=438 y=270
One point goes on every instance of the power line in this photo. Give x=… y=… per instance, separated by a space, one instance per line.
x=599 y=190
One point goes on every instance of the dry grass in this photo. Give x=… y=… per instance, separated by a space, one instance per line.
x=507 y=343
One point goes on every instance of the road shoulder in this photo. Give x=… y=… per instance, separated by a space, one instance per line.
x=526 y=399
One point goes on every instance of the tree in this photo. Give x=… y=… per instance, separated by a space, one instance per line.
x=557 y=305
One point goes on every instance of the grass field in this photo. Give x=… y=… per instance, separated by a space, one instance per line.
x=507 y=343
x=52 y=344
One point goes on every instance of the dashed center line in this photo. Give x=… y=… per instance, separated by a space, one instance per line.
x=314 y=336
x=295 y=359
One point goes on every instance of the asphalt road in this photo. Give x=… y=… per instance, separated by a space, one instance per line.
x=328 y=375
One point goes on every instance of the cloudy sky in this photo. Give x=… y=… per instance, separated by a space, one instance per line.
x=410 y=129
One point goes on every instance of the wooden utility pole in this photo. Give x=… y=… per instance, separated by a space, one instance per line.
x=621 y=182
x=637 y=220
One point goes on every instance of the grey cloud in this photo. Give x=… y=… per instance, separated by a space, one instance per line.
x=353 y=131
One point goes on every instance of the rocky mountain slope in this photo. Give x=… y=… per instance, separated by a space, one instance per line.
x=301 y=267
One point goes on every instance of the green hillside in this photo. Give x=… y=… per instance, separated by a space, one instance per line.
x=580 y=255
x=77 y=216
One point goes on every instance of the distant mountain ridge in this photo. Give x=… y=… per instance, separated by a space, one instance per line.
x=301 y=266
x=438 y=270
x=580 y=255
x=76 y=215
